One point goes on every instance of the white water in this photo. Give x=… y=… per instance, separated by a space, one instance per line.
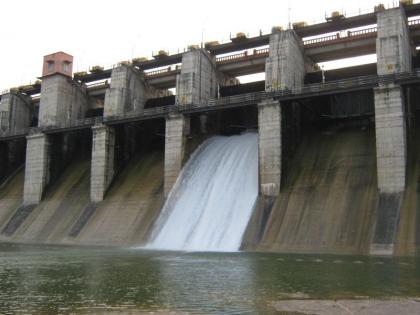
x=212 y=201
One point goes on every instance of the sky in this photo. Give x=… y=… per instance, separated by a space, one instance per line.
x=103 y=32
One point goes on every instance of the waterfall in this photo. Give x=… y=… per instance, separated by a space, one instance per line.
x=210 y=205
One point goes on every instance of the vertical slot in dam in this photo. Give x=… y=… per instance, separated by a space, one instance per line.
x=212 y=201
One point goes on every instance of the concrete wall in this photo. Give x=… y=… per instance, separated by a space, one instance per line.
x=36 y=168
x=15 y=112
x=269 y=141
x=102 y=169
x=177 y=128
x=285 y=66
x=62 y=100
x=198 y=80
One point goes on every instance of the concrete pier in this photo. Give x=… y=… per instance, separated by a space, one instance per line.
x=15 y=112
x=394 y=55
x=198 y=80
x=285 y=66
x=285 y=70
x=62 y=100
x=102 y=169
x=269 y=142
x=127 y=92
x=37 y=168
x=177 y=127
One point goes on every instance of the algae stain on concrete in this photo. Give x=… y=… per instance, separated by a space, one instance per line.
x=328 y=198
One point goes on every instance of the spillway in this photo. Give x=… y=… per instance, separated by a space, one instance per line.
x=212 y=201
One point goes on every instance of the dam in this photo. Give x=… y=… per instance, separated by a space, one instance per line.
x=94 y=158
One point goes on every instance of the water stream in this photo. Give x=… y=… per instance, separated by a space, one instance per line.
x=212 y=201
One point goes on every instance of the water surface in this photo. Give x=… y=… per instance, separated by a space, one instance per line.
x=50 y=280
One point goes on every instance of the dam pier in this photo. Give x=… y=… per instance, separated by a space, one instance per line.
x=89 y=158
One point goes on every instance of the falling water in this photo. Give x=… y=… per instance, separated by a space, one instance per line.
x=212 y=201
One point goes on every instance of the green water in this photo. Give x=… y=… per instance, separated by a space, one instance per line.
x=50 y=280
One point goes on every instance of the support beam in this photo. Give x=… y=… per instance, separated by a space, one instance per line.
x=198 y=80
x=269 y=132
x=37 y=172
x=177 y=128
x=102 y=169
x=62 y=100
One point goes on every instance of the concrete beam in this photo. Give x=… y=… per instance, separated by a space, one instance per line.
x=269 y=145
x=198 y=80
x=177 y=128
x=37 y=173
x=102 y=169
x=62 y=100
x=285 y=66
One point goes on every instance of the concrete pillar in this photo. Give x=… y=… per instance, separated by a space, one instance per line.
x=177 y=127
x=394 y=55
x=285 y=66
x=198 y=80
x=36 y=168
x=391 y=143
x=269 y=142
x=128 y=91
x=62 y=100
x=15 y=112
x=102 y=169
x=393 y=49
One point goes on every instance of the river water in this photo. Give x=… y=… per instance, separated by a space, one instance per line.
x=51 y=280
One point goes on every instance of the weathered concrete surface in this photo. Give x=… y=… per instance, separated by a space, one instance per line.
x=124 y=218
x=177 y=128
x=285 y=66
x=62 y=100
x=198 y=80
x=15 y=112
x=36 y=168
x=393 y=47
x=328 y=198
x=128 y=91
x=102 y=172
x=11 y=196
x=347 y=307
x=391 y=143
x=269 y=146
x=391 y=155
x=408 y=233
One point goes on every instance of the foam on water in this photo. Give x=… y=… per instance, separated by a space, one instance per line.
x=212 y=201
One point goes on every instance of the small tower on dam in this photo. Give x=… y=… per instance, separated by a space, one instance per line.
x=63 y=101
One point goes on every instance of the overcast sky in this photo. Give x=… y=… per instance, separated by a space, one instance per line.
x=104 y=32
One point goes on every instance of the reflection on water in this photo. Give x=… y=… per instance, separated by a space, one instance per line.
x=62 y=279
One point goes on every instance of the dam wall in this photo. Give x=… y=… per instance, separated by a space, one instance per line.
x=337 y=159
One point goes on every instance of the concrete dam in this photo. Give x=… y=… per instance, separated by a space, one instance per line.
x=95 y=158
